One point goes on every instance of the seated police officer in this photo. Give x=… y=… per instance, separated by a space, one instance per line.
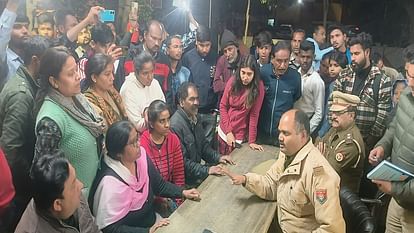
x=343 y=146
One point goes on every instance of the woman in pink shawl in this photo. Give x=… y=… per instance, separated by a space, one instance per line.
x=240 y=107
x=123 y=192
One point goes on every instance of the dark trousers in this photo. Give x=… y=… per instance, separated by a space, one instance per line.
x=268 y=140
x=367 y=188
x=11 y=217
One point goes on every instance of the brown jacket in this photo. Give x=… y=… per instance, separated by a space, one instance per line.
x=33 y=221
x=307 y=192
x=345 y=151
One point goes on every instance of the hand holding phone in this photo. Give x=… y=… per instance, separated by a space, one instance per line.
x=107 y=16
x=134 y=8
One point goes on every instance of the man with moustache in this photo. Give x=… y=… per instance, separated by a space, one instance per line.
x=201 y=61
x=186 y=124
x=343 y=146
x=297 y=37
x=178 y=73
x=153 y=37
x=226 y=66
x=302 y=182
x=14 y=30
x=338 y=40
x=373 y=87
x=283 y=89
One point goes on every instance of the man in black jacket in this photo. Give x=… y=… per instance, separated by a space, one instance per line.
x=186 y=124
x=201 y=61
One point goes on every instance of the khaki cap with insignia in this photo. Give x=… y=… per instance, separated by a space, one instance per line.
x=341 y=101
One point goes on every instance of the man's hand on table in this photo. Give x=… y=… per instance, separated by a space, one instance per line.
x=192 y=194
x=255 y=146
x=236 y=179
x=226 y=159
x=215 y=170
x=218 y=169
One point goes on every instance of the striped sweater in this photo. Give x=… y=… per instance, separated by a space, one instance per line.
x=168 y=159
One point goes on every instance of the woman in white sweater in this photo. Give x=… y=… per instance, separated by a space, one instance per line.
x=140 y=89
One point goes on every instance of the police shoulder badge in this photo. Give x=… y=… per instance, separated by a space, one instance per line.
x=348 y=139
x=339 y=157
x=321 y=195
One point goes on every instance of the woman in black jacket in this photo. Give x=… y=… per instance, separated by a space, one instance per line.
x=123 y=193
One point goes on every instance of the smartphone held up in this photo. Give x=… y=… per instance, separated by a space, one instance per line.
x=107 y=16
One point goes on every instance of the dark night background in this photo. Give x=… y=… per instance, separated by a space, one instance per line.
x=391 y=22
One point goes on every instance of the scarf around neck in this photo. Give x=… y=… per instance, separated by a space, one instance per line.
x=79 y=108
x=108 y=112
x=114 y=199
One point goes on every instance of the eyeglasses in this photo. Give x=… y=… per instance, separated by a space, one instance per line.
x=135 y=141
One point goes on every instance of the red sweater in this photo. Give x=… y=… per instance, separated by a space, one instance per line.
x=168 y=160
x=235 y=117
x=6 y=183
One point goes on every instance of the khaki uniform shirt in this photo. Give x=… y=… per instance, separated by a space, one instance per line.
x=344 y=150
x=307 y=192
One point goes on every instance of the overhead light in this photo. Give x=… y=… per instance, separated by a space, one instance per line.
x=182 y=4
x=300 y=2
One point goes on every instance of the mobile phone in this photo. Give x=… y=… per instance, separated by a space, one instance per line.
x=107 y=16
x=124 y=50
x=134 y=8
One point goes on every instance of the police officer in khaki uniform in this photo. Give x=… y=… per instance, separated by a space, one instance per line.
x=343 y=146
x=302 y=182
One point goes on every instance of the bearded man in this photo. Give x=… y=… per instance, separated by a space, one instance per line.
x=373 y=87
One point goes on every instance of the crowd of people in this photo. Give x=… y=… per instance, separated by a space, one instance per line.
x=100 y=132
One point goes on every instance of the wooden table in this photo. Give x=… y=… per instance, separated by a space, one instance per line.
x=227 y=208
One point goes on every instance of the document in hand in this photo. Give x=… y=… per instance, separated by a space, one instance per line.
x=390 y=172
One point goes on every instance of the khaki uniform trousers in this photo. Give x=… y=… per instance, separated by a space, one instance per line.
x=399 y=219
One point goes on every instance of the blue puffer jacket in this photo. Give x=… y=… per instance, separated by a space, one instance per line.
x=280 y=95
